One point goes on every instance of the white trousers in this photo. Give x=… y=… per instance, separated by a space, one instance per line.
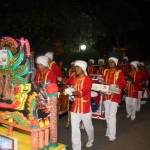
x=110 y=115
x=140 y=96
x=76 y=118
x=131 y=106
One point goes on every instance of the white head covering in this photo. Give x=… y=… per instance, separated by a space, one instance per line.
x=114 y=59
x=135 y=63
x=125 y=58
x=42 y=60
x=72 y=63
x=101 y=60
x=141 y=63
x=92 y=61
x=50 y=55
x=82 y=64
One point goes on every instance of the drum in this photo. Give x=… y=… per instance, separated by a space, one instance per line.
x=114 y=89
x=100 y=88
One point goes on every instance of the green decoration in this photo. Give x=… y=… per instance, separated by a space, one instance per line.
x=20 y=119
x=31 y=107
x=16 y=69
x=16 y=60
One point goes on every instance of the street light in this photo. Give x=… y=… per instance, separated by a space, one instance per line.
x=83 y=47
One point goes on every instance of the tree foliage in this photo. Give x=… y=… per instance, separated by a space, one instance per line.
x=97 y=23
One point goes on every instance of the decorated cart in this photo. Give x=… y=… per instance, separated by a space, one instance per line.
x=22 y=109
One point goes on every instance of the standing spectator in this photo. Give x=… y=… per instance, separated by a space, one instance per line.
x=81 y=107
x=115 y=79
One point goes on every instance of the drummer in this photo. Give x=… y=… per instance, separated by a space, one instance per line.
x=101 y=64
x=115 y=79
x=81 y=107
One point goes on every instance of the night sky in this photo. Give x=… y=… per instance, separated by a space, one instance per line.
x=41 y=20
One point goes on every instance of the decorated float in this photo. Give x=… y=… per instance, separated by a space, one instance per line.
x=25 y=114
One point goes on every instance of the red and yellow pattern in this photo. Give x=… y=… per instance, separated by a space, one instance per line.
x=82 y=103
x=114 y=76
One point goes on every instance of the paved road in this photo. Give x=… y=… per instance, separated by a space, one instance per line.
x=131 y=135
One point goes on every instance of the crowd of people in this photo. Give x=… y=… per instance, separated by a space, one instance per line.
x=128 y=79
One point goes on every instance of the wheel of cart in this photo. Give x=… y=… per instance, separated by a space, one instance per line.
x=97 y=99
x=98 y=111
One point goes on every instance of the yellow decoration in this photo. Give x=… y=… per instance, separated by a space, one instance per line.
x=41 y=123
x=25 y=87
x=21 y=97
x=10 y=120
x=46 y=122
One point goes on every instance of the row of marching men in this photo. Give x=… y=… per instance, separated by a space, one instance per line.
x=130 y=77
x=82 y=83
x=137 y=82
x=81 y=110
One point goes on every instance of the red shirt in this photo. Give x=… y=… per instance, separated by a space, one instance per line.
x=44 y=77
x=70 y=80
x=136 y=85
x=56 y=69
x=114 y=76
x=100 y=70
x=126 y=68
x=145 y=74
x=90 y=69
x=82 y=104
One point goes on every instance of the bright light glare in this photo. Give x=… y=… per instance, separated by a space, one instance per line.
x=83 y=47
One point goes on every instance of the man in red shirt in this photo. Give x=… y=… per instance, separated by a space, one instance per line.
x=53 y=66
x=44 y=77
x=114 y=78
x=43 y=73
x=90 y=67
x=81 y=107
x=101 y=66
x=125 y=66
x=134 y=88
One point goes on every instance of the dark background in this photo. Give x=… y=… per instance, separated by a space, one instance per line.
x=101 y=25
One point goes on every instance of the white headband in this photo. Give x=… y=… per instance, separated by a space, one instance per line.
x=50 y=55
x=135 y=63
x=81 y=64
x=114 y=59
x=42 y=60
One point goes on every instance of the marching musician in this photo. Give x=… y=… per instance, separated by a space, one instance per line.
x=125 y=66
x=90 y=67
x=43 y=77
x=43 y=73
x=134 y=85
x=81 y=107
x=145 y=81
x=101 y=64
x=53 y=66
x=71 y=74
x=115 y=79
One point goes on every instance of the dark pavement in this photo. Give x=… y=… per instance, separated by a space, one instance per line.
x=131 y=135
